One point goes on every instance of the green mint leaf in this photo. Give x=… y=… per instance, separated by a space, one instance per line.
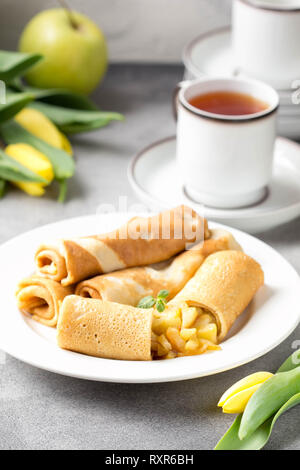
x=146 y=302
x=160 y=306
x=163 y=294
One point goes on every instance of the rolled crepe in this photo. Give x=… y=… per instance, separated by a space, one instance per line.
x=105 y=329
x=41 y=298
x=142 y=241
x=224 y=285
x=129 y=286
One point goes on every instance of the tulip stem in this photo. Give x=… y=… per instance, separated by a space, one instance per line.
x=69 y=12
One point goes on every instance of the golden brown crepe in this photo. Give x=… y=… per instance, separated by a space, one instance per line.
x=42 y=298
x=129 y=286
x=224 y=285
x=197 y=319
x=140 y=242
x=105 y=329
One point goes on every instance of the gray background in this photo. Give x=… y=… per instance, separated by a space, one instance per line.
x=41 y=410
x=137 y=30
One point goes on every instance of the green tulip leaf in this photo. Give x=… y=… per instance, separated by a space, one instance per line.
x=16 y=84
x=62 y=163
x=11 y=170
x=72 y=121
x=15 y=102
x=2 y=188
x=268 y=399
x=260 y=437
x=291 y=363
x=231 y=441
x=60 y=97
x=15 y=64
x=62 y=190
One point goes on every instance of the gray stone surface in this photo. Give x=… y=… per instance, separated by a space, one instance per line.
x=41 y=410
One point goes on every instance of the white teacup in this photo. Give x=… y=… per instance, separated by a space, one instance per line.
x=266 y=39
x=226 y=161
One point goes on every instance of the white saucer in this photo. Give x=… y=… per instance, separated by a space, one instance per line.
x=211 y=54
x=154 y=177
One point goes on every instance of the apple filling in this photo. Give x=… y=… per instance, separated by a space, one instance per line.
x=183 y=331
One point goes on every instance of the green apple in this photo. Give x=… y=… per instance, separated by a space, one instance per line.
x=74 y=50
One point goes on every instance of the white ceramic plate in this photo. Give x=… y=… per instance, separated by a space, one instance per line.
x=211 y=54
x=270 y=318
x=154 y=177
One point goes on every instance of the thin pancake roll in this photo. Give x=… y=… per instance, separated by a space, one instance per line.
x=142 y=241
x=130 y=285
x=105 y=329
x=41 y=298
x=223 y=286
x=197 y=319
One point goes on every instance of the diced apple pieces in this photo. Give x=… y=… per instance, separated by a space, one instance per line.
x=189 y=316
x=184 y=331
x=188 y=333
x=203 y=320
x=175 y=339
x=154 y=343
x=161 y=351
x=161 y=322
x=210 y=346
x=163 y=347
x=209 y=332
x=192 y=345
x=203 y=346
x=170 y=355
x=162 y=340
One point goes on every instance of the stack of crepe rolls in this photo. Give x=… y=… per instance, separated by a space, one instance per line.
x=140 y=242
x=195 y=321
x=130 y=285
x=42 y=298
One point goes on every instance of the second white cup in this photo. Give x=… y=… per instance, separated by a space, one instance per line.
x=266 y=38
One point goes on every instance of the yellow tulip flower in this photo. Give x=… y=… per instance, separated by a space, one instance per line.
x=235 y=399
x=39 y=125
x=66 y=144
x=35 y=161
